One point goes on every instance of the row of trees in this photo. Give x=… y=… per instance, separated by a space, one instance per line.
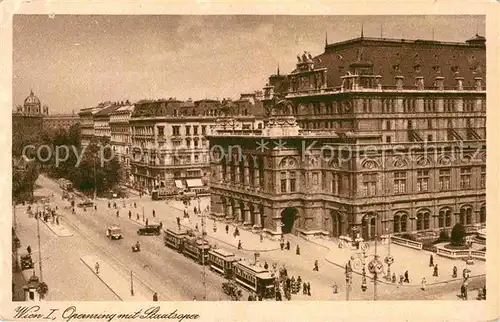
x=82 y=166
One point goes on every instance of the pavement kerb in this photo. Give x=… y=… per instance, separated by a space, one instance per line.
x=118 y=296
x=383 y=281
x=69 y=234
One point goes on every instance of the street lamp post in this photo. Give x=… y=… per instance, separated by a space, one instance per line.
x=203 y=231
x=143 y=217
x=348 y=281
x=39 y=248
x=131 y=284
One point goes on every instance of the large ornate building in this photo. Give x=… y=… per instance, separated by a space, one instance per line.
x=168 y=139
x=372 y=137
x=120 y=136
x=28 y=118
x=64 y=121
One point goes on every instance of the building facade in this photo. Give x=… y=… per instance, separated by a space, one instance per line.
x=380 y=153
x=28 y=118
x=64 y=121
x=87 y=125
x=120 y=136
x=168 y=141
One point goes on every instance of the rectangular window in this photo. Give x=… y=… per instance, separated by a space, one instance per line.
x=195 y=129
x=176 y=130
x=399 y=182
x=196 y=158
x=203 y=130
x=335 y=182
x=196 y=143
x=161 y=131
x=323 y=180
x=465 y=176
x=483 y=177
x=188 y=129
x=444 y=179
x=283 y=182
x=293 y=182
x=429 y=137
x=429 y=124
x=387 y=125
x=370 y=184
x=422 y=180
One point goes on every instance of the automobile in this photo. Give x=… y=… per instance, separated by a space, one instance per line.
x=86 y=204
x=114 y=232
x=149 y=230
x=26 y=262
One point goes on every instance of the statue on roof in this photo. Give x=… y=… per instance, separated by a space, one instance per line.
x=310 y=56
x=304 y=56
x=298 y=58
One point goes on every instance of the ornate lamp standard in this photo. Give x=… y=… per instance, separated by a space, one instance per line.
x=389 y=260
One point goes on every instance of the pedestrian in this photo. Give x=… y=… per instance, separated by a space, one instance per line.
x=316 y=268
x=454 y=275
x=463 y=290
x=95 y=207
x=407 y=279
x=266 y=266
x=424 y=284
x=401 y=279
x=308 y=288
x=130 y=214
x=335 y=288
x=194 y=209
x=227 y=229
x=137 y=217
x=215 y=227
x=239 y=244
x=154 y=214
x=261 y=237
x=196 y=227
x=282 y=244
x=484 y=292
x=97 y=267
x=297 y=251
x=135 y=205
x=117 y=213
x=155 y=297
x=109 y=204
x=431 y=261
x=28 y=249
x=57 y=220
x=161 y=225
x=304 y=288
x=435 y=271
x=147 y=221
x=287 y=245
x=236 y=232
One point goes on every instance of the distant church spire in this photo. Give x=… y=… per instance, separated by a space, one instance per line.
x=326 y=38
x=278 y=70
x=362 y=29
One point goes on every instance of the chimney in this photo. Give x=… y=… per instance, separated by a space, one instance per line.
x=399 y=81
x=420 y=82
x=440 y=83
x=478 y=82
x=460 y=83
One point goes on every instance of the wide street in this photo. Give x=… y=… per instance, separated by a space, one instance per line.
x=158 y=268
x=174 y=277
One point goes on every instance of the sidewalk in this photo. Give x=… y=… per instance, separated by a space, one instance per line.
x=119 y=285
x=415 y=261
x=59 y=230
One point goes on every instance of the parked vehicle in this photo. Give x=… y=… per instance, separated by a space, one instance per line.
x=85 y=204
x=136 y=247
x=26 y=262
x=149 y=230
x=114 y=232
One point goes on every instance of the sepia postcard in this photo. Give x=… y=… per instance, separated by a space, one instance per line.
x=256 y=161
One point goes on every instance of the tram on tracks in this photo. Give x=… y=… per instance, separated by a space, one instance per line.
x=255 y=278
x=222 y=262
x=174 y=239
x=252 y=277
x=197 y=249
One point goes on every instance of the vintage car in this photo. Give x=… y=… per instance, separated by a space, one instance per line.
x=86 y=204
x=114 y=232
x=26 y=262
x=149 y=230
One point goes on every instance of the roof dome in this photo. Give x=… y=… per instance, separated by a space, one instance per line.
x=32 y=99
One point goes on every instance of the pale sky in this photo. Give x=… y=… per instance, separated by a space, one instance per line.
x=73 y=62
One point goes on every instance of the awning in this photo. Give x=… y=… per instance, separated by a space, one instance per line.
x=178 y=184
x=191 y=183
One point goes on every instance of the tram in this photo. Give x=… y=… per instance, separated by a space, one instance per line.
x=255 y=278
x=174 y=239
x=197 y=249
x=222 y=262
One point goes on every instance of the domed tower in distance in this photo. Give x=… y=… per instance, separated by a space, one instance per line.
x=32 y=105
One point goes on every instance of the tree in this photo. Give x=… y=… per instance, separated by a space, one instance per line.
x=458 y=235
x=42 y=289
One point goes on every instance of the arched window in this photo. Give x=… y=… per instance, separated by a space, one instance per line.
x=427 y=220
x=468 y=216
x=441 y=218
x=448 y=218
x=420 y=221
x=462 y=216
x=396 y=223
x=404 y=218
x=482 y=214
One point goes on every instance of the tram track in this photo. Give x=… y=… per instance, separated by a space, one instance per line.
x=108 y=254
